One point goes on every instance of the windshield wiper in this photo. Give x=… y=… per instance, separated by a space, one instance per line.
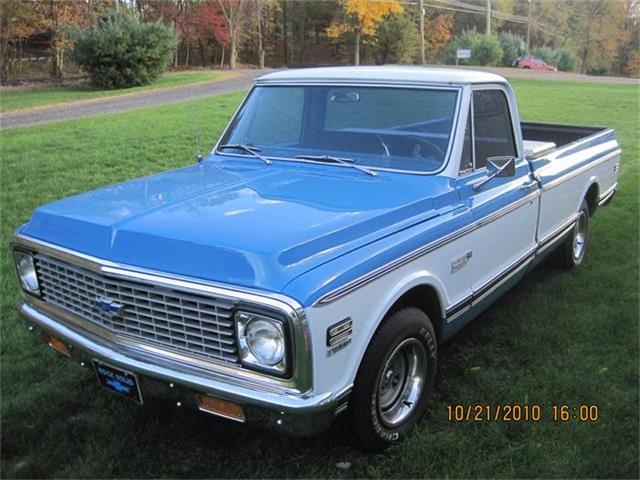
x=349 y=162
x=249 y=149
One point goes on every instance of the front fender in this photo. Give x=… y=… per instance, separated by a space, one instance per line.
x=367 y=307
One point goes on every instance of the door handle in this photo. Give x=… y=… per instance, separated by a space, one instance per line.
x=529 y=185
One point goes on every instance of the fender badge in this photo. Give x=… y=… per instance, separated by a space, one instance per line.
x=460 y=262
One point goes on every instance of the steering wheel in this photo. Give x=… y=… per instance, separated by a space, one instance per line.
x=417 y=148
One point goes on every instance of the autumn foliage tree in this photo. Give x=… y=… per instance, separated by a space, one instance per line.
x=361 y=18
x=18 y=21
x=211 y=23
x=233 y=13
x=437 y=33
x=59 y=18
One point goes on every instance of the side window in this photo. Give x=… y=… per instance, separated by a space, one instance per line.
x=466 y=162
x=493 y=132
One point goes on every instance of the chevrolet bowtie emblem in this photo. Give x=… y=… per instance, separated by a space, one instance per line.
x=109 y=307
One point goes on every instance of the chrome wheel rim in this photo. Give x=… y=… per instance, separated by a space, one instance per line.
x=580 y=236
x=401 y=382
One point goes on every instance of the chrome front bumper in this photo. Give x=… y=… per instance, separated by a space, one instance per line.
x=298 y=414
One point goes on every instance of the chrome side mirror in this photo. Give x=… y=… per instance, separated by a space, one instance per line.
x=498 y=167
x=501 y=166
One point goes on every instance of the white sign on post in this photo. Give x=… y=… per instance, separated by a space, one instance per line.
x=463 y=53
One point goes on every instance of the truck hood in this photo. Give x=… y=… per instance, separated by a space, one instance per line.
x=238 y=221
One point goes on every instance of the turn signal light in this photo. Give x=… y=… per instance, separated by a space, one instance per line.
x=59 y=345
x=220 y=407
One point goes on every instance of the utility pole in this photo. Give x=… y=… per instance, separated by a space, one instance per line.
x=488 y=27
x=421 y=5
x=529 y=27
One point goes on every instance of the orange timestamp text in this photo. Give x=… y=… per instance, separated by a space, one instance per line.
x=521 y=413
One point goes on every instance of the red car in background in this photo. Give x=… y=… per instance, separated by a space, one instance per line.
x=533 y=63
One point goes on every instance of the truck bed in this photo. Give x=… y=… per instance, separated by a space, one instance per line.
x=542 y=138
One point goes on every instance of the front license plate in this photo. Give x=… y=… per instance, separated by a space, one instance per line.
x=119 y=381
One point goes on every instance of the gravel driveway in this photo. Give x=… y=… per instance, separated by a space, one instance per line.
x=242 y=80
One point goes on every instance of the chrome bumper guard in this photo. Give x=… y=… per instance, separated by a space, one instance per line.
x=296 y=414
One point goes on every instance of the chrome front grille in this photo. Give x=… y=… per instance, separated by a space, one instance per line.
x=169 y=319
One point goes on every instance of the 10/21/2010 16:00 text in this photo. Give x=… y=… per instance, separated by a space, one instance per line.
x=521 y=413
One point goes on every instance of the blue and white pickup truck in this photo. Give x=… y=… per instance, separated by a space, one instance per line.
x=347 y=222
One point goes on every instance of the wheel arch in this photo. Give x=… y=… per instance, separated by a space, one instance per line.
x=421 y=290
x=425 y=297
x=591 y=195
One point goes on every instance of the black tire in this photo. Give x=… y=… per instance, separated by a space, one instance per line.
x=573 y=249
x=402 y=338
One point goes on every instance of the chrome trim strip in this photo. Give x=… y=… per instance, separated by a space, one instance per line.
x=409 y=257
x=554 y=183
x=489 y=287
x=283 y=83
x=558 y=232
x=555 y=239
x=604 y=198
x=457 y=314
x=501 y=282
x=221 y=415
x=302 y=350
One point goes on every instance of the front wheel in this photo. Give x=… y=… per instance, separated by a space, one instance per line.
x=574 y=247
x=395 y=380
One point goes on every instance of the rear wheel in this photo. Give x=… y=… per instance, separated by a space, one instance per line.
x=394 y=381
x=574 y=248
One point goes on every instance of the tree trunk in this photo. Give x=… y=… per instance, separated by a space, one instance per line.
x=57 y=59
x=233 y=51
x=186 y=57
x=356 y=56
x=260 y=44
x=422 y=49
x=222 y=58
x=201 y=47
x=303 y=34
x=284 y=27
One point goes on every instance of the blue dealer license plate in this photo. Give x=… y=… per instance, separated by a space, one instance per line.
x=119 y=381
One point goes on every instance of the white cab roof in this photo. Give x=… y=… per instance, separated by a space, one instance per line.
x=387 y=73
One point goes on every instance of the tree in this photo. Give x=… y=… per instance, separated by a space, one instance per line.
x=512 y=47
x=119 y=51
x=59 y=18
x=233 y=13
x=566 y=60
x=437 y=34
x=485 y=49
x=18 y=21
x=259 y=12
x=397 y=39
x=361 y=17
x=212 y=22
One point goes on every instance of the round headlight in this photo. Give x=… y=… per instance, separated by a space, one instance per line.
x=27 y=272
x=266 y=340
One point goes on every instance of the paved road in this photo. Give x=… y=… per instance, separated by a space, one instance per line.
x=241 y=80
x=541 y=75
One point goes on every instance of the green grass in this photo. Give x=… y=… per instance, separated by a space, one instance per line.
x=555 y=338
x=21 y=99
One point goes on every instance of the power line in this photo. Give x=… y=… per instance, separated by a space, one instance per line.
x=463 y=7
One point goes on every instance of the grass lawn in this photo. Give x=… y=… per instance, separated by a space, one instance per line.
x=556 y=338
x=21 y=99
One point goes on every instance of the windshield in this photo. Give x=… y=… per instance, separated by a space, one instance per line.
x=381 y=127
